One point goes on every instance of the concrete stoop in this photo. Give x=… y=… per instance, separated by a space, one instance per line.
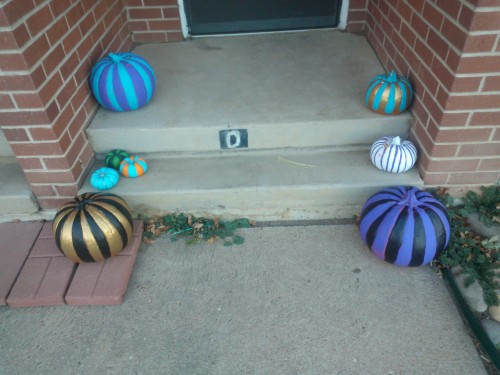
x=16 y=197
x=270 y=127
x=33 y=272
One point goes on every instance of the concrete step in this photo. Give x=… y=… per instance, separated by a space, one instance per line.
x=16 y=197
x=267 y=185
x=5 y=150
x=285 y=90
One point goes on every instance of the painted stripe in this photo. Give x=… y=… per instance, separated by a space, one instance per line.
x=370 y=217
x=126 y=87
x=406 y=250
x=384 y=230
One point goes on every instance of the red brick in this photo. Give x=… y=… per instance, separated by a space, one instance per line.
x=419 y=26
x=434 y=179
x=43 y=190
x=455 y=35
x=43 y=133
x=17 y=241
x=466 y=84
x=28 y=100
x=432 y=107
x=174 y=12
x=433 y=16
x=67 y=190
x=15 y=10
x=77 y=123
x=489 y=164
x=486 y=21
x=452 y=165
x=25 y=118
x=36 y=149
x=479 y=64
x=29 y=163
x=69 y=66
x=353 y=16
x=454 y=119
x=105 y=283
x=51 y=86
x=462 y=135
x=434 y=150
x=358 y=4
x=417 y=5
x=50 y=177
x=438 y=44
x=71 y=40
x=7 y=40
x=449 y=7
x=39 y=20
x=87 y=23
x=74 y=15
x=12 y=62
x=58 y=7
x=442 y=73
x=424 y=52
x=453 y=59
x=15 y=134
x=6 y=102
x=466 y=17
x=479 y=43
x=491 y=83
x=138 y=25
x=418 y=110
x=21 y=35
x=36 y=50
x=473 y=178
x=464 y=102
x=145 y=13
x=479 y=149
x=485 y=118
x=144 y=37
x=153 y=3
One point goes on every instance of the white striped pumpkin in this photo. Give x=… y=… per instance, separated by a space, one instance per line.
x=391 y=154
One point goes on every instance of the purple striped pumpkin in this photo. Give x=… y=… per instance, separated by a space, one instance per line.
x=405 y=226
x=123 y=82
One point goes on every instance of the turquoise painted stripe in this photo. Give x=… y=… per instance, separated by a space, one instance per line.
x=128 y=87
x=404 y=97
x=139 y=67
x=378 y=96
x=369 y=91
x=110 y=89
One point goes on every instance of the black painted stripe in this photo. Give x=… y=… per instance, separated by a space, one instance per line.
x=98 y=235
x=78 y=241
x=396 y=238
x=439 y=230
x=417 y=257
x=114 y=221
x=371 y=234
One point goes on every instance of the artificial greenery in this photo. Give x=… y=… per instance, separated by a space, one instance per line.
x=478 y=257
x=195 y=229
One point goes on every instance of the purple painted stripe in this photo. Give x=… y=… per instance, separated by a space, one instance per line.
x=406 y=249
x=430 y=236
x=384 y=231
x=376 y=198
x=118 y=88
x=103 y=92
x=371 y=216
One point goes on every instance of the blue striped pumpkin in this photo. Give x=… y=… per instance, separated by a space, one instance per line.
x=405 y=226
x=133 y=166
x=92 y=227
x=391 y=154
x=389 y=94
x=122 y=82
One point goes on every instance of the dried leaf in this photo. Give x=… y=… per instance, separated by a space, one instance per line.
x=197 y=225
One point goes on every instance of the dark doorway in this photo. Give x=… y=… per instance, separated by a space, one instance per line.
x=239 y=16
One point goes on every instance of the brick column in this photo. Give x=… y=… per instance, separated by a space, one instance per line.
x=47 y=51
x=154 y=21
x=451 y=52
x=356 y=16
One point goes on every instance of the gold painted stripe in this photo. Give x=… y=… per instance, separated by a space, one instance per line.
x=67 y=238
x=119 y=216
x=373 y=94
x=110 y=231
x=89 y=239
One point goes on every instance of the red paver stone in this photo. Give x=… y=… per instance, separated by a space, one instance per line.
x=45 y=276
x=105 y=283
x=16 y=241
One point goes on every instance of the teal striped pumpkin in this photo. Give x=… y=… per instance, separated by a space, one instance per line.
x=389 y=94
x=123 y=82
x=133 y=166
x=104 y=178
x=92 y=227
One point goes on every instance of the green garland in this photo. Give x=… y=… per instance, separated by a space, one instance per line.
x=195 y=229
x=478 y=257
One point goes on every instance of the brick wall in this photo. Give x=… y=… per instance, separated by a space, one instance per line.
x=45 y=103
x=356 y=16
x=154 y=21
x=451 y=52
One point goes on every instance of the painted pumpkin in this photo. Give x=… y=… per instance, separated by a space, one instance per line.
x=389 y=94
x=92 y=227
x=405 y=226
x=391 y=154
x=104 y=178
x=122 y=82
x=133 y=166
x=114 y=158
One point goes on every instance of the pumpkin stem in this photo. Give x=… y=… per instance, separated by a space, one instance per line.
x=114 y=57
x=396 y=141
x=392 y=77
x=411 y=200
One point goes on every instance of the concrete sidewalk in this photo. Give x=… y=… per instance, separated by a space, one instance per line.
x=291 y=300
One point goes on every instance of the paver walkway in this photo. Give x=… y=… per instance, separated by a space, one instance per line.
x=294 y=300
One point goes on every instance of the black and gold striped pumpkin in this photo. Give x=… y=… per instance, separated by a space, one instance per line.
x=92 y=227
